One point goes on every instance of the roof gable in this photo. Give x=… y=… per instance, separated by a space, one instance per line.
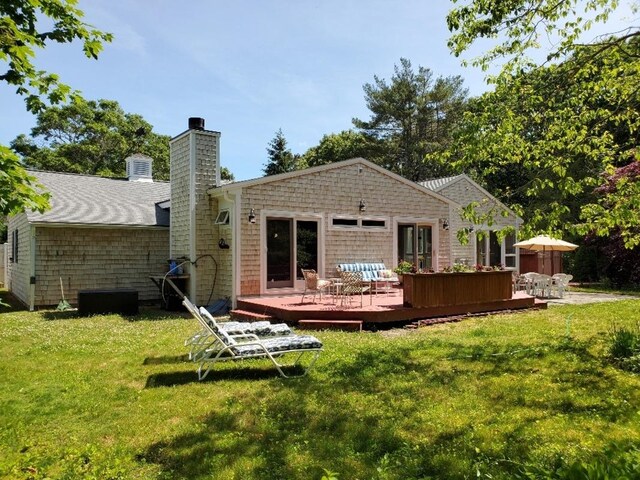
x=322 y=168
x=442 y=184
x=92 y=200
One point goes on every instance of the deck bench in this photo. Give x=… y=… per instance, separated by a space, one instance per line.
x=377 y=274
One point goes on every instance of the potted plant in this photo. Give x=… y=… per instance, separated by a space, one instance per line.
x=402 y=268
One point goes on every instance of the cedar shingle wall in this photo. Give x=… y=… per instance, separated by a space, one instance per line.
x=212 y=262
x=338 y=191
x=179 y=171
x=98 y=258
x=465 y=192
x=19 y=272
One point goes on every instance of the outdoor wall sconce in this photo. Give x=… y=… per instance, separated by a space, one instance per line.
x=252 y=216
x=362 y=206
x=445 y=224
x=471 y=229
x=223 y=244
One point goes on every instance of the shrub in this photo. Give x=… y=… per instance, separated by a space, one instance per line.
x=624 y=349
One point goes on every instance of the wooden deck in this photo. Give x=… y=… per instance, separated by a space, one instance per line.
x=377 y=309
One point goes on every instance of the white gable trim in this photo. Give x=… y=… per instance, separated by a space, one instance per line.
x=464 y=176
x=330 y=166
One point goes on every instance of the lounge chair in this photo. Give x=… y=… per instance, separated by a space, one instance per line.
x=228 y=347
x=202 y=339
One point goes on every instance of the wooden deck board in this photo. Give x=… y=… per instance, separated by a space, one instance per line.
x=384 y=308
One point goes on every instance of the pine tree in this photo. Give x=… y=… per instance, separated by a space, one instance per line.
x=281 y=160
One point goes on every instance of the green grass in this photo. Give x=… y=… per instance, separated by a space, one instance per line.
x=493 y=397
x=605 y=288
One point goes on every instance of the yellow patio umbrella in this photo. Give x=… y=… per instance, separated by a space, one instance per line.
x=544 y=243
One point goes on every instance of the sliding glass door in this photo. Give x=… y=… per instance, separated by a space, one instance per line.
x=415 y=245
x=292 y=245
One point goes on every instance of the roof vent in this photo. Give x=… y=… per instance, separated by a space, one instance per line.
x=139 y=168
x=196 y=123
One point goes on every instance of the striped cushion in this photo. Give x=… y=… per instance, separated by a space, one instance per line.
x=280 y=344
x=369 y=270
x=261 y=329
x=224 y=336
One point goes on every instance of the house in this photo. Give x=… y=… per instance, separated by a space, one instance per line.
x=99 y=233
x=484 y=247
x=245 y=238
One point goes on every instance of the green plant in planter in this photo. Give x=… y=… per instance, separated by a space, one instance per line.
x=461 y=267
x=404 y=267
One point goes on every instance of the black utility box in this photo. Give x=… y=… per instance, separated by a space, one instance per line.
x=117 y=300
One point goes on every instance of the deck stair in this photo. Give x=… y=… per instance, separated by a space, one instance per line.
x=247 y=316
x=347 y=325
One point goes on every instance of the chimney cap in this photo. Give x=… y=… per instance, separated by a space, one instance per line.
x=196 y=123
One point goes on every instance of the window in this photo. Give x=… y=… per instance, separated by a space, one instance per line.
x=510 y=251
x=14 y=246
x=370 y=223
x=345 y=222
x=222 y=218
x=356 y=223
x=491 y=252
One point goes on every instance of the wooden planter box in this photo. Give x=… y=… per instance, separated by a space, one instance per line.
x=442 y=289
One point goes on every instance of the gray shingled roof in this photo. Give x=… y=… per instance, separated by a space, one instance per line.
x=85 y=199
x=437 y=183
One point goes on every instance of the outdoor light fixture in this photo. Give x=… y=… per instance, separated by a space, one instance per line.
x=445 y=224
x=252 y=216
x=362 y=206
x=471 y=229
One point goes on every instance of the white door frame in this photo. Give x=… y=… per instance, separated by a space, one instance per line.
x=295 y=216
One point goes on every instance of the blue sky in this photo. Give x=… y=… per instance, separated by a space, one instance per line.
x=249 y=67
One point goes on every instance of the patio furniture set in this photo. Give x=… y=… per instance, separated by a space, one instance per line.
x=354 y=279
x=540 y=285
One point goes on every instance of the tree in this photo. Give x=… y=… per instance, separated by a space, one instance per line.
x=92 y=137
x=26 y=26
x=281 y=160
x=412 y=116
x=523 y=24
x=347 y=144
x=563 y=123
x=226 y=175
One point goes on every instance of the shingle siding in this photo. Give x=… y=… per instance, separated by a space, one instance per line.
x=19 y=272
x=208 y=273
x=98 y=258
x=338 y=192
x=465 y=192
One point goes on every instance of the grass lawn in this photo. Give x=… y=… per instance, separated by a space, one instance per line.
x=496 y=397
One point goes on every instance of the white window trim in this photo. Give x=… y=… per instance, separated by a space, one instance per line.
x=358 y=225
x=385 y=228
x=333 y=217
x=297 y=216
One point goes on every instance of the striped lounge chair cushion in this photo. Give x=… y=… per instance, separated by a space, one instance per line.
x=279 y=344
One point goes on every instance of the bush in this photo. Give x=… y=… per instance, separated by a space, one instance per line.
x=624 y=349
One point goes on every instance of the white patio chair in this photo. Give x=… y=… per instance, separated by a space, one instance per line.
x=313 y=284
x=520 y=283
x=530 y=282
x=228 y=347
x=542 y=285
x=561 y=283
x=203 y=339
